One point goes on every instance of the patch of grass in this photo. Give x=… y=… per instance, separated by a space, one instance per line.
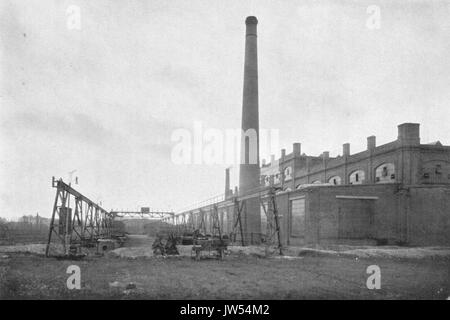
x=236 y=277
x=9 y=288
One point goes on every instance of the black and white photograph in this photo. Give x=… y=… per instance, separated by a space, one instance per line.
x=229 y=152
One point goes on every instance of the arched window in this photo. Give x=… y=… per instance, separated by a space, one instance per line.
x=287 y=174
x=357 y=177
x=385 y=173
x=335 y=180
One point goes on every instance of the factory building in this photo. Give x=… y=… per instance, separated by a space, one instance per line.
x=396 y=193
x=403 y=161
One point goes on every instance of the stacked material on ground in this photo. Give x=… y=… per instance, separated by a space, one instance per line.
x=145 y=252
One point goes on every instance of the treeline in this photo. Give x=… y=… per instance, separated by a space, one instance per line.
x=27 y=229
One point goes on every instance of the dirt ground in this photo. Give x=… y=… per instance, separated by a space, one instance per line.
x=238 y=276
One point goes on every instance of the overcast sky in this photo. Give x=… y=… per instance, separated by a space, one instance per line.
x=104 y=99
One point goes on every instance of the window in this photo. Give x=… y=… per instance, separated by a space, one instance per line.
x=335 y=180
x=287 y=174
x=385 y=173
x=357 y=177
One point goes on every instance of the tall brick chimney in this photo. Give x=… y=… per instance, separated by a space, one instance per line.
x=249 y=167
x=249 y=170
x=227 y=183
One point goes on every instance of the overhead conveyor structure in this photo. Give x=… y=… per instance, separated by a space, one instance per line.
x=79 y=222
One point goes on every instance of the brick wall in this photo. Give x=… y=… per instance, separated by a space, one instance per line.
x=429 y=215
x=386 y=214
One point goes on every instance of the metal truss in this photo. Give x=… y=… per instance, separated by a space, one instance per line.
x=216 y=229
x=207 y=220
x=143 y=214
x=80 y=223
x=273 y=230
x=239 y=207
